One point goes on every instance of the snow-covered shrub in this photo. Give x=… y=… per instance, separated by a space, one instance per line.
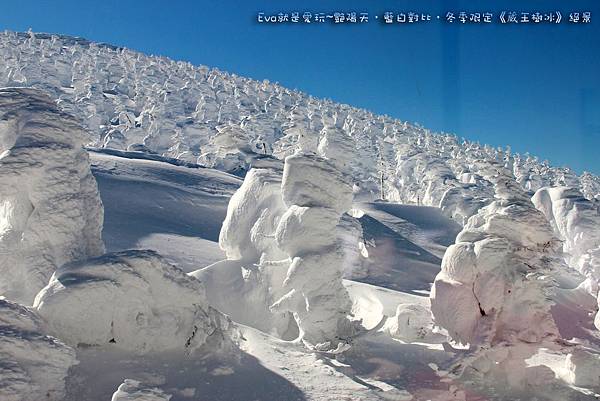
x=50 y=210
x=134 y=300
x=33 y=365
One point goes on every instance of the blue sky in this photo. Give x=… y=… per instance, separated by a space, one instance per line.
x=536 y=88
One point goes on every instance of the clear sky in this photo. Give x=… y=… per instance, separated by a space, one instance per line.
x=536 y=88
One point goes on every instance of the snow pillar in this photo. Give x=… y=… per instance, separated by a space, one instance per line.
x=50 y=210
x=316 y=195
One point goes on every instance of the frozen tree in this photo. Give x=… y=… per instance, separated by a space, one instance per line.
x=50 y=210
x=316 y=194
x=493 y=290
x=576 y=221
x=248 y=238
x=125 y=98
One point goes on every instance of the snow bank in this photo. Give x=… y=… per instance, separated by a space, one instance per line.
x=33 y=366
x=134 y=299
x=50 y=210
x=133 y=390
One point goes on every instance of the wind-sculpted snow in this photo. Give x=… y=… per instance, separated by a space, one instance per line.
x=576 y=220
x=283 y=230
x=50 y=210
x=494 y=287
x=33 y=365
x=412 y=322
x=134 y=300
x=130 y=101
x=316 y=194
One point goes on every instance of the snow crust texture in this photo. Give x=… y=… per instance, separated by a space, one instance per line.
x=50 y=210
x=134 y=300
x=33 y=365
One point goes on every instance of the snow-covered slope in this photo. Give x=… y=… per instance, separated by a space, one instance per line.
x=248 y=187
x=128 y=100
x=153 y=204
x=394 y=361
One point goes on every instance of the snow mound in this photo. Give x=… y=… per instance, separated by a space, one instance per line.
x=33 y=366
x=133 y=390
x=50 y=210
x=412 y=322
x=132 y=299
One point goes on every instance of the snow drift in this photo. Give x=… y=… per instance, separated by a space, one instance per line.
x=50 y=210
x=134 y=300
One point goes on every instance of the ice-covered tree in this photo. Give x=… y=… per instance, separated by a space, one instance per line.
x=316 y=193
x=50 y=209
x=494 y=287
